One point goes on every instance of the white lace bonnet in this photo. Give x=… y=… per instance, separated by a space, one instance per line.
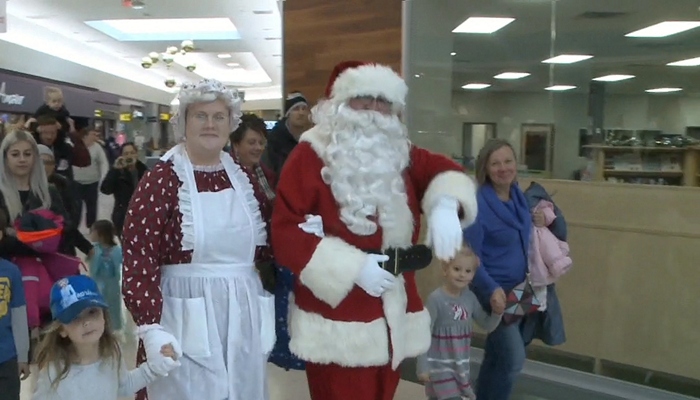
x=206 y=90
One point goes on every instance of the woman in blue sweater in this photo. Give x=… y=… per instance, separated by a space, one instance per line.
x=500 y=237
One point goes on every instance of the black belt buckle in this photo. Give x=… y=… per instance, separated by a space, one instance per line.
x=392 y=264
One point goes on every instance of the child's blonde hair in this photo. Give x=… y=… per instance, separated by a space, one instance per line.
x=58 y=350
x=52 y=90
x=464 y=253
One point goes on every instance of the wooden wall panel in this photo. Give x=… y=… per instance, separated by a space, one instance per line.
x=320 y=33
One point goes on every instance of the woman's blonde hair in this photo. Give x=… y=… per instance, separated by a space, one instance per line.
x=482 y=160
x=38 y=184
x=57 y=350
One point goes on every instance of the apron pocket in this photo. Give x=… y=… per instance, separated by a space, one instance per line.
x=267 y=325
x=193 y=335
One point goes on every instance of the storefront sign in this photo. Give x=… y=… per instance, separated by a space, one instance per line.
x=9 y=99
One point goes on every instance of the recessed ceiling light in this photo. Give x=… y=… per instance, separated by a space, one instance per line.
x=453 y=54
x=475 y=86
x=567 y=59
x=664 y=90
x=664 y=29
x=149 y=30
x=613 y=78
x=691 y=62
x=560 y=88
x=224 y=55
x=233 y=64
x=482 y=25
x=512 y=75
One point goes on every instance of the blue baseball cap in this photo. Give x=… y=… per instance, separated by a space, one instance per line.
x=72 y=295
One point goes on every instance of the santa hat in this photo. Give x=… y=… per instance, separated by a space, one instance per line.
x=351 y=79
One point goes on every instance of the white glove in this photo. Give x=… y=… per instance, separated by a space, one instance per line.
x=313 y=225
x=153 y=340
x=373 y=279
x=444 y=228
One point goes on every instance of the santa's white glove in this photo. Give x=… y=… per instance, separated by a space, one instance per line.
x=313 y=225
x=153 y=340
x=374 y=279
x=444 y=228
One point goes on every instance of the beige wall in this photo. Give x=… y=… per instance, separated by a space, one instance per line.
x=632 y=296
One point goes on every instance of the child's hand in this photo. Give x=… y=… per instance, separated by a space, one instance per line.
x=168 y=351
x=23 y=371
x=424 y=378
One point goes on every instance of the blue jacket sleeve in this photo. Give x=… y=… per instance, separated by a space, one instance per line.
x=483 y=285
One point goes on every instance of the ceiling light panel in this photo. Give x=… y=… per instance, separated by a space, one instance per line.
x=664 y=90
x=482 y=25
x=148 y=30
x=665 y=29
x=560 y=88
x=512 y=75
x=224 y=55
x=691 y=62
x=567 y=59
x=613 y=78
x=476 y=86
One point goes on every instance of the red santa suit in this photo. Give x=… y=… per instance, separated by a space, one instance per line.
x=353 y=342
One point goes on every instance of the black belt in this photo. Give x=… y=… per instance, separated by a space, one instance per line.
x=413 y=258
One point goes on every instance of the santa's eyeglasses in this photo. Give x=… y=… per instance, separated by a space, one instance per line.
x=371 y=103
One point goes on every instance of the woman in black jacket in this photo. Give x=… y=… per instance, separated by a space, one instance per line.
x=121 y=181
x=24 y=187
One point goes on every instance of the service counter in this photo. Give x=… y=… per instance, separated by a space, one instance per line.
x=633 y=294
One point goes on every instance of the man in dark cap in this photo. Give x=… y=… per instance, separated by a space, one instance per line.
x=285 y=135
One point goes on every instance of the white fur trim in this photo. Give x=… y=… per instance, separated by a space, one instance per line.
x=457 y=185
x=318 y=139
x=361 y=344
x=418 y=337
x=370 y=80
x=332 y=270
x=324 y=341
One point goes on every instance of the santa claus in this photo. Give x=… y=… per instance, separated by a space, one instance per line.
x=356 y=187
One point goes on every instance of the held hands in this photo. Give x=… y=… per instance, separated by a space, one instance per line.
x=168 y=351
x=23 y=370
x=160 y=347
x=424 y=377
x=498 y=301
x=373 y=279
x=444 y=228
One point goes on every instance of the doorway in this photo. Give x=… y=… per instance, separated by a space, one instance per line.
x=474 y=136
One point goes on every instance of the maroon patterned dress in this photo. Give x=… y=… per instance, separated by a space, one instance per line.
x=153 y=237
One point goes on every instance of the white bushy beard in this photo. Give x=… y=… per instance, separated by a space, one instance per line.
x=364 y=164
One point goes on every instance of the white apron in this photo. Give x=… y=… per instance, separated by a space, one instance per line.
x=216 y=306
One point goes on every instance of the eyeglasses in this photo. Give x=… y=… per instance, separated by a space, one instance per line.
x=371 y=103
x=217 y=119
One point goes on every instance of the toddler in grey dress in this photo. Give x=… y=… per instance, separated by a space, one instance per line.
x=445 y=367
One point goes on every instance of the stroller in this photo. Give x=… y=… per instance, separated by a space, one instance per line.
x=42 y=230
